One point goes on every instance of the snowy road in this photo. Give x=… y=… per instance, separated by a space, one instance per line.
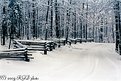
x=80 y=62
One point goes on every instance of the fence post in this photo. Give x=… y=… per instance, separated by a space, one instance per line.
x=53 y=45
x=64 y=42
x=26 y=55
x=80 y=40
x=45 y=49
x=59 y=44
x=50 y=44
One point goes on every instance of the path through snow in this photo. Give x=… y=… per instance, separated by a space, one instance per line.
x=80 y=62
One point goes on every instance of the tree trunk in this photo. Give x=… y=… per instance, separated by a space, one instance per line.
x=117 y=20
x=57 y=19
x=46 y=30
x=51 y=26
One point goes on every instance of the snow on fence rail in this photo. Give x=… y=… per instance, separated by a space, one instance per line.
x=38 y=45
x=16 y=53
x=18 y=44
x=20 y=52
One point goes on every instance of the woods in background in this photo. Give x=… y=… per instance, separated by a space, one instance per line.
x=50 y=19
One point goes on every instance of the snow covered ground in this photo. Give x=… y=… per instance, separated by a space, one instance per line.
x=79 y=62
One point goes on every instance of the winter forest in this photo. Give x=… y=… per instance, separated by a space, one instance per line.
x=49 y=19
x=82 y=34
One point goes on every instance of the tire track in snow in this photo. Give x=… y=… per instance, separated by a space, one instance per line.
x=92 y=64
x=113 y=63
x=95 y=61
x=108 y=60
